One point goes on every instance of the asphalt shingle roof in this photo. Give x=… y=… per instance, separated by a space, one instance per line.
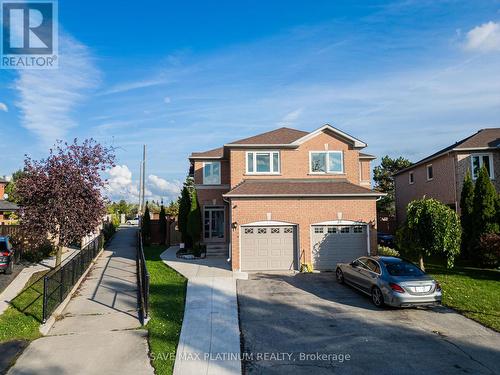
x=299 y=187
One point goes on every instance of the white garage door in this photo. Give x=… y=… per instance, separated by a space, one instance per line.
x=332 y=244
x=266 y=248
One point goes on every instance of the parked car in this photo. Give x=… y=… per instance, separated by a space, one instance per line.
x=6 y=255
x=134 y=221
x=385 y=239
x=391 y=281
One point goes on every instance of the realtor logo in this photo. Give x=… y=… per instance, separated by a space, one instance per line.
x=29 y=34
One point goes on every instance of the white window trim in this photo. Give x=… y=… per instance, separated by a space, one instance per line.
x=327 y=161
x=490 y=160
x=203 y=172
x=410 y=175
x=271 y=162
x=427 y=172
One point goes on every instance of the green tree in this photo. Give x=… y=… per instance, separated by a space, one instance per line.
x=384 y=182
x=184 y=208
x=431 y=228
x=146 y=226
x=194 y=220
x=163 y=225
x=10 y=189
x=484 y=212
x=173 y=208
x=466 y=209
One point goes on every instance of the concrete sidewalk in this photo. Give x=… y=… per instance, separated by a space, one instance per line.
x=98 y=332
x=210 y=335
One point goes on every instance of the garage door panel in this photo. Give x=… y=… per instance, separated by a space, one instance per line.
x=267 y=248
x=333 y=246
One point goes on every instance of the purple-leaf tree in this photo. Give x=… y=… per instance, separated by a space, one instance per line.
x=61 y=196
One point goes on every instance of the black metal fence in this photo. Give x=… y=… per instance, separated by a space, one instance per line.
x=142 y=280
x=58 y=282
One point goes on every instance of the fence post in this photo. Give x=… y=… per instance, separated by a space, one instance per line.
x=45 y=297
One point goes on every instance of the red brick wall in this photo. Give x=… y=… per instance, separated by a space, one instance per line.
x=303 y=212
x=295 y=162
x=441 y=187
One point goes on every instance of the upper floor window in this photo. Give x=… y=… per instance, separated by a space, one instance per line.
x=326 y=162
x=211 y=173
x=411 y=178
x=430 y=172
x=263 y=162
x=480 y=160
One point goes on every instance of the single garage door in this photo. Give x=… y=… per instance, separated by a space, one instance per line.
x=266 y=248
x=332 y=244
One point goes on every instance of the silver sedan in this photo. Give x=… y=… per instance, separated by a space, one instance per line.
x=391 y=281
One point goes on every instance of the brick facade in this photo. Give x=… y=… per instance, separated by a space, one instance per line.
x=449 y=171
x=302 y=211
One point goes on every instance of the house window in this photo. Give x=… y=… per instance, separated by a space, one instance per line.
x=275 y=230
x=318 y=230
x=263 y=162
x=482 y=160
x=411 y=178
x=262 y=231
x=288 y=230
x=344 y=230
x=331 y=230
x=326 y=162
x=248 y=230
x=430 y=172
x=211 y=173
x=358 y=229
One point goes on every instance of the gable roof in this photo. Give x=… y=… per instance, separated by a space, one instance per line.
x=8 y=206
x=296 y=187
x=282 y=137
x=484 y=139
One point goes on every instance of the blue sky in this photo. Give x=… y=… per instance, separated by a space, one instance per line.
x=407 y=77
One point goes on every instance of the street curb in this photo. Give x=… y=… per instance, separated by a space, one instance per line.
x=45 y=328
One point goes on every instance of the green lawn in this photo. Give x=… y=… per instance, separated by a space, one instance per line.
x=167 y=298
x=22 y=319
x=473 y=292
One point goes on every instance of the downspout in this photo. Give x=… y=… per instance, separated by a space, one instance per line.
x=230 y=234
x=455 y=187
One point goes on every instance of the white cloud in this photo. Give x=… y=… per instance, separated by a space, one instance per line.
x=3 y=107
x=48 y=97
x=129 y=86
x=121 y=185
x=485 y=37
x=290 y=118
x=163 y=188
x=167 y=100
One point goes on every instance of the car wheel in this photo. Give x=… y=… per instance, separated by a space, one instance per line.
x=377 y=297
x=8 y=270
x=340 y=276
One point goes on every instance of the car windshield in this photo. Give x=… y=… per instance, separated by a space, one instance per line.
x=3 y=246
x=403 y=269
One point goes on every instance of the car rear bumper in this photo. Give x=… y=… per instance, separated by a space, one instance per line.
x=406 y=299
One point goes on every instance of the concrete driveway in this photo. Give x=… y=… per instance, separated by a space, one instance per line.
x=307 y=323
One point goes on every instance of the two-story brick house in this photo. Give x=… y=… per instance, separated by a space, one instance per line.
x=441 y=174
x=287 y=197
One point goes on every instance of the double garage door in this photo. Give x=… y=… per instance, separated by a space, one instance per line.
x=267 y=248
x=332 y=244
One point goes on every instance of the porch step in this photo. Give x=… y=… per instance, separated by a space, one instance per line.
x=216 y=249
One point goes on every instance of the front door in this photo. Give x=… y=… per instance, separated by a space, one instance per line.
x=213 y=224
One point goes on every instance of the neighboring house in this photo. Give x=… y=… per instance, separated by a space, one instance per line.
x=5 y=206
x=441 y=175
x=287 y=197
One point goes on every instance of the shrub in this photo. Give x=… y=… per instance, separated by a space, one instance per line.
x=488 y=250
x=36 y=255
x=146 y=226
x=387 y=251
x=194 y=220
